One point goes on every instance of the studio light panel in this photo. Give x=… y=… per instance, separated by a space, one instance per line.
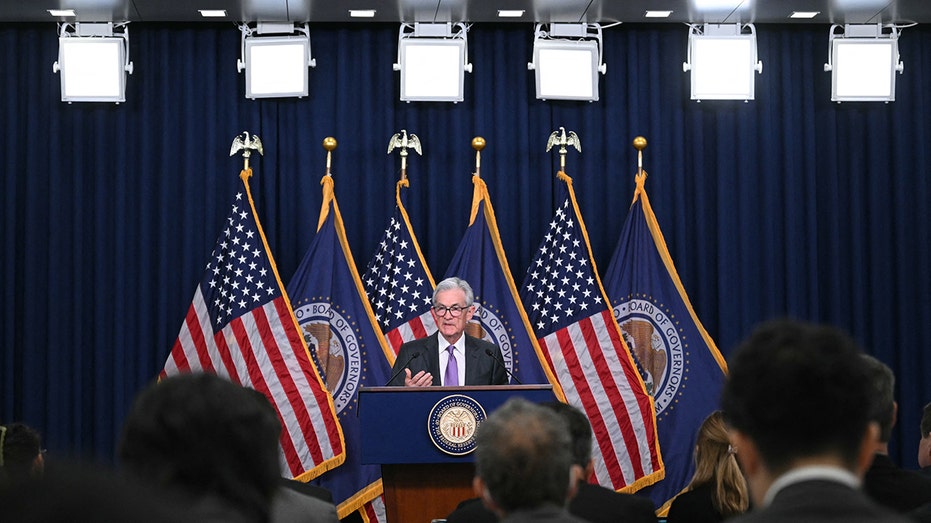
x=863 y=69
x=432 y=69
x=566 y=70
x=92 y=69
x=723 y=67
x=277 y=66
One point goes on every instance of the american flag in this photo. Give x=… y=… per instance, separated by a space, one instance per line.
x=398 y=283
x=567 y=307
x=240 y=326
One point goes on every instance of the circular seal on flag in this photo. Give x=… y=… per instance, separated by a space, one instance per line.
x=334 y=347
x=655 y=340
x=452 y=423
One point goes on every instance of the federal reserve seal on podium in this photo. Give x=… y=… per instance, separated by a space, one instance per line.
x=452 y=423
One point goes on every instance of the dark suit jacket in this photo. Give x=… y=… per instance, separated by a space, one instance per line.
x=899 y=489
x=308 y=489
x=821 y=501
x=290 y=506
x=694 y=506
x=481 y=369
x=599 y=504
x=592 y=503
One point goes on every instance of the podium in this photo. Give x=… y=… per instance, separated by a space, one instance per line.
x=424 y=473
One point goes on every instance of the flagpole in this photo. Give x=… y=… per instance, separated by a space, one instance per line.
x=478 y=143
x=640 y=143
x=329 y=143
x=404 y=142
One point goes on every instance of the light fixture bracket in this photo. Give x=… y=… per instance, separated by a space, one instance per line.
x=111 y=34
x=721 y=59
x=273 y=28
x=432 y=59
x=859 y=58
x=570 y=33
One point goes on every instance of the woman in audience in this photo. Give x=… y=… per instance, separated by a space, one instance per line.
x=718 y=489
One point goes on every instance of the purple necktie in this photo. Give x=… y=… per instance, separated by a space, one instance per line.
x=452 y=369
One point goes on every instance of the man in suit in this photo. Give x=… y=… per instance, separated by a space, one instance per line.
x=890 y=486
x=523 y=464
x=798 y=400
x=450 y=357
x=593 y=503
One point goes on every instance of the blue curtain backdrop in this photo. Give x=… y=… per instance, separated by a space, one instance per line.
x=786 y=205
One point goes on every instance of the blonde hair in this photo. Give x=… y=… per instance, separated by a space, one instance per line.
x=716 y=463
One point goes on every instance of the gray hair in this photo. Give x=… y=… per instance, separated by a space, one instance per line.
x=882 y=381
x=455 y=283
x=523 y=454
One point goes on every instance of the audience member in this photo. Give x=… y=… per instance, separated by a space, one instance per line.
x=592 y=503
x=718 y=489
x=20 y=453
x=523 y=464
x=70 y=491
x=794 y=400
x=924 y=444
x=214 y=445
x=896 y=488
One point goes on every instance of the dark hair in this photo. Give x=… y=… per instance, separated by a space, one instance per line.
x=522 y=454
x=21 y=445
x=202 y=435
x=580 y=430
x=882 y=406
x=798 y=390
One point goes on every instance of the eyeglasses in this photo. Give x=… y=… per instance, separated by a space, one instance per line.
x=455 y=311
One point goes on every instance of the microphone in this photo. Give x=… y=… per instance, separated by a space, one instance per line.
x=401 y=370
x=497 y=359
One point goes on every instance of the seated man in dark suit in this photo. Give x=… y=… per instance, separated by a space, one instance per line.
x=797 y=399
x=212 y=446
x=592 y=503
x=450 y=357
x=899 y=489
x=523 y=464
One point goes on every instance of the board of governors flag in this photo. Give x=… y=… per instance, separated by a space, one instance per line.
x=501 y=318
x=680 y=364
x=582 y=342
x=240 y=326
x=398 y=283
x=340 y=329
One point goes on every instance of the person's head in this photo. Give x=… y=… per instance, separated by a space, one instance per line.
x=20 y=452
x=924 y=445
x=715 y=462
x=883 y=406
x=203 y=436
x=580 y=432
x=523 y=458
x=796 y=392
x=453 y=307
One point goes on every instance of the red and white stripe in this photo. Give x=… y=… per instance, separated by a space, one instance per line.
x=586 y=361
x=374 y=511
x=262 y=349
x=419 y=327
